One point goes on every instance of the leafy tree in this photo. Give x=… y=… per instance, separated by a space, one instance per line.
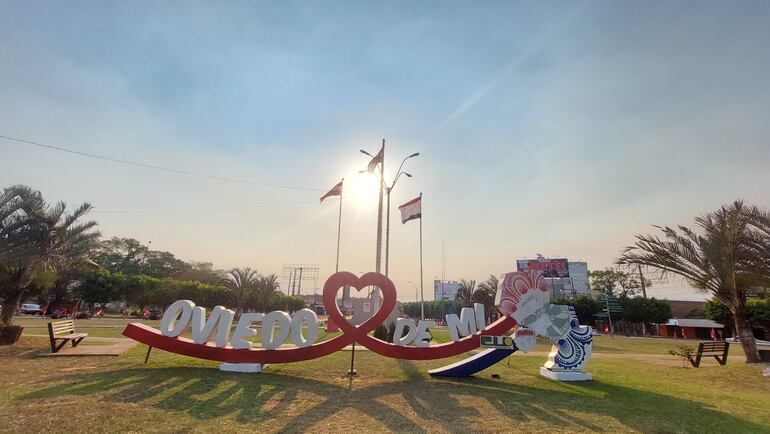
x=101 y=287
x=644 y=310
x=730 y=256
x=757 y=312
x=130 y=257
x=159 y=263
x=464 y=295
x=121 y=255
x=616 y=282
x=200 y=272
x=585 y=307
x=35 y=236
x=434 y=309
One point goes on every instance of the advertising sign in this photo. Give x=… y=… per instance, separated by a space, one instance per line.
x=549 y=267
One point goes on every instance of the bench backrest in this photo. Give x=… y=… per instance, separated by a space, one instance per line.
x=63 y=327
x=713 y=346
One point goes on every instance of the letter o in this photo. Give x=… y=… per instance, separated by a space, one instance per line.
x=269 y=339
x=176 y=318
x=311 y=319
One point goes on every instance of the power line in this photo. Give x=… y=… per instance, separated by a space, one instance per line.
x=164 y=169
x=149 y=211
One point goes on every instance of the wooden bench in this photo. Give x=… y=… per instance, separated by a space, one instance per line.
x=64 y=331
x=718 y=350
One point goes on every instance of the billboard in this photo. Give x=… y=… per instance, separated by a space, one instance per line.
x=550 y=267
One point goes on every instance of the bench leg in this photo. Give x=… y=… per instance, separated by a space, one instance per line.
x=697 y=360
x=75 y=342
x=52 y=339
x=56 y=348
x=147 y=356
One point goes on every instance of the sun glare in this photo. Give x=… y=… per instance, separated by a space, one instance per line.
x=363 y=190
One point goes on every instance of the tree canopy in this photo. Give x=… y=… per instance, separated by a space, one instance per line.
x=727 y=256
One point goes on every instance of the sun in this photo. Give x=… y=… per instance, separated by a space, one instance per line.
x=363 y=190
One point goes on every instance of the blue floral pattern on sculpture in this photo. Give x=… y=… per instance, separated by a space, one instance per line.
x=572 y=348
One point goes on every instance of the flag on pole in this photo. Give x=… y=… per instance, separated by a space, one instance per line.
x=335 y=191
x=411 y=210
x=376 y=160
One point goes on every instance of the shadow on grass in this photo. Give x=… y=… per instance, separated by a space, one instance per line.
x=205 y=393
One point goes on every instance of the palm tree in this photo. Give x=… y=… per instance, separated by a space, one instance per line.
x=34 y=236
x=241 y=281
x=728 y=258
x=464 y=295
x=267 y=287
x=485 y=294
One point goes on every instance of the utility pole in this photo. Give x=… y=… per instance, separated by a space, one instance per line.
x=299 y=288
x=641 y=279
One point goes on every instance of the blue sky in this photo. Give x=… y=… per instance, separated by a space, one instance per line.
x=561 y=128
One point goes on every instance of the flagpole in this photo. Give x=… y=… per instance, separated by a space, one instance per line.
x=422 y=297
x=339 y=226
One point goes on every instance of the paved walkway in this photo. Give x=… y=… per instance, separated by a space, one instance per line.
x=116 y=347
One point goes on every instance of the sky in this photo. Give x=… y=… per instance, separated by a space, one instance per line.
x=562 y=128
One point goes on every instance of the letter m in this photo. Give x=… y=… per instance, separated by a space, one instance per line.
x=463 y=326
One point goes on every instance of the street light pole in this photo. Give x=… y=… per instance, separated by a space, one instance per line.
x=379 y=228
x=387 y=224
x=384 y=188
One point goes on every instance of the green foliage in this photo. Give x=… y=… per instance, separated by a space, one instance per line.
x=684 y=352
x=200 y=272
x=37 y=236
x=381 y=333
x=464 y=295
x=645 y=310
x=718 y=312
x=616 y=282
x=585 y=307
x=391 y=332
x=636 y=309
x=728 y=257
x=130 y=257
x=485 y=294
x=757 y=311
x=434 y=309
x=101 y=287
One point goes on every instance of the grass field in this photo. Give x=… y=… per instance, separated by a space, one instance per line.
x=173 y=393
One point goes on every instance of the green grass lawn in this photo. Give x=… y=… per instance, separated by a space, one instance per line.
x=176 y=393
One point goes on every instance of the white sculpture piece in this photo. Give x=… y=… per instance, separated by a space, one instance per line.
x=524 y=296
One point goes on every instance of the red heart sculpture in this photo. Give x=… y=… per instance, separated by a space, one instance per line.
x=342 y=278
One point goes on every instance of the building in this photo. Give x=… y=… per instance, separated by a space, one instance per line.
x=687 y=308
x=576 y=283
x=688 y=328
x=445 y=290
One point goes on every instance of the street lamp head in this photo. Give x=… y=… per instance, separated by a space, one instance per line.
x=366 y=153
x=413 y=155
x=405 y=173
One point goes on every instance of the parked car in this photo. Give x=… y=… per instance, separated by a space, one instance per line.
x=31 y=309
x=83 y=315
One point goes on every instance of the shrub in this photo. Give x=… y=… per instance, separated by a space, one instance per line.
x=381 y=333
x=684 y=352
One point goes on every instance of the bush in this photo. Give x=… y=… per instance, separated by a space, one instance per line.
x=381 y=333
x=585 y=307
x=684 y=352
x=391 y=331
